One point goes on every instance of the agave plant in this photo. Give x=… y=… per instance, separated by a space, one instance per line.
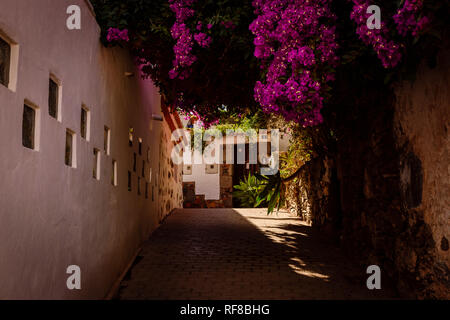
x=272 y=193
x=248 y=191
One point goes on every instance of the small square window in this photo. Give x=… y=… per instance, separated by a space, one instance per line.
x=5 y=62
x=187 y=169
x=212 y=169
x=114 y=173
x=70 y=150
x=107 y=140
x=139 y=186
x=29 y=127
x=85 y=122
x=9 y=62
x=96 y=166
x=130 y=136
x=54 y=98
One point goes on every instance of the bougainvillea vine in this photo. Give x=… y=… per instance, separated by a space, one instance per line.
x=296 y=40
x=408 y=18
x=388 y=51
x=184 y=37
x=115 y=34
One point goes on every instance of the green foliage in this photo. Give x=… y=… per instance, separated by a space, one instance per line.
x=272 y=192
x=248 y=191
x=244 y=122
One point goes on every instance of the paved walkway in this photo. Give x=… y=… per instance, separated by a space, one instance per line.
x=234 y=254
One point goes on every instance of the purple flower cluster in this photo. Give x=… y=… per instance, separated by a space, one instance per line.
x=180 y=32
x=115 y=34
x=200 y=121
x=228 y=24
x=406 y=18
x=202 y=39
x=296 y=42
x=185 y=39
x=387 y=50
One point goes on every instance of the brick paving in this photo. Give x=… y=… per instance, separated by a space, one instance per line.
x=232 y=254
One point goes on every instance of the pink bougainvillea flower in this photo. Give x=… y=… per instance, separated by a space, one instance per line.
x=388 y=51
x=202 y=39
x=293 y=38
x=115 y=34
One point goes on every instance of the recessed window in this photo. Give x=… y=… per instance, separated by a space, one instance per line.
x=212 y=169
x=29 y=126
x=114 y=173
x=143 y=168
x=129 y=181
x=187 y=169
x=9 y=61
x=70 y=151
x=146 y=190
x=130 y=136
x=96 y=166
x=85 y=122
x=140 y=146
x=134 y=161
x=139 y=186
x=107 y=140
x=54 y=98
x=5 y=62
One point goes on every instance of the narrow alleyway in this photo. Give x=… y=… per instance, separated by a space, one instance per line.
x=242 y=254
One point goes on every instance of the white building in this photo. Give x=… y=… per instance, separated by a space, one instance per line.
x=212 y=184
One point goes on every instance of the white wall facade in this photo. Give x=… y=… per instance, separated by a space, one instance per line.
x=207 y=184
x=52 y=215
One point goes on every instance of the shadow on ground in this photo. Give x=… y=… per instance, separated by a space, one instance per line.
x=233 y=254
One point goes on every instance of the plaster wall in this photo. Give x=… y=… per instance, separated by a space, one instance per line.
x=205 y=183
x=52 y=215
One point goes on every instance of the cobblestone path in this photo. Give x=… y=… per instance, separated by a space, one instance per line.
x=232 y=254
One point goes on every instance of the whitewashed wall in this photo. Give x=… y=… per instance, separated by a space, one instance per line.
x=51 y=215
x=205 y=183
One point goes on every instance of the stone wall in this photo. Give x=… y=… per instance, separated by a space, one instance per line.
x=384 y=193
x=170 y=176
x=226 y=185
x=421 y=126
